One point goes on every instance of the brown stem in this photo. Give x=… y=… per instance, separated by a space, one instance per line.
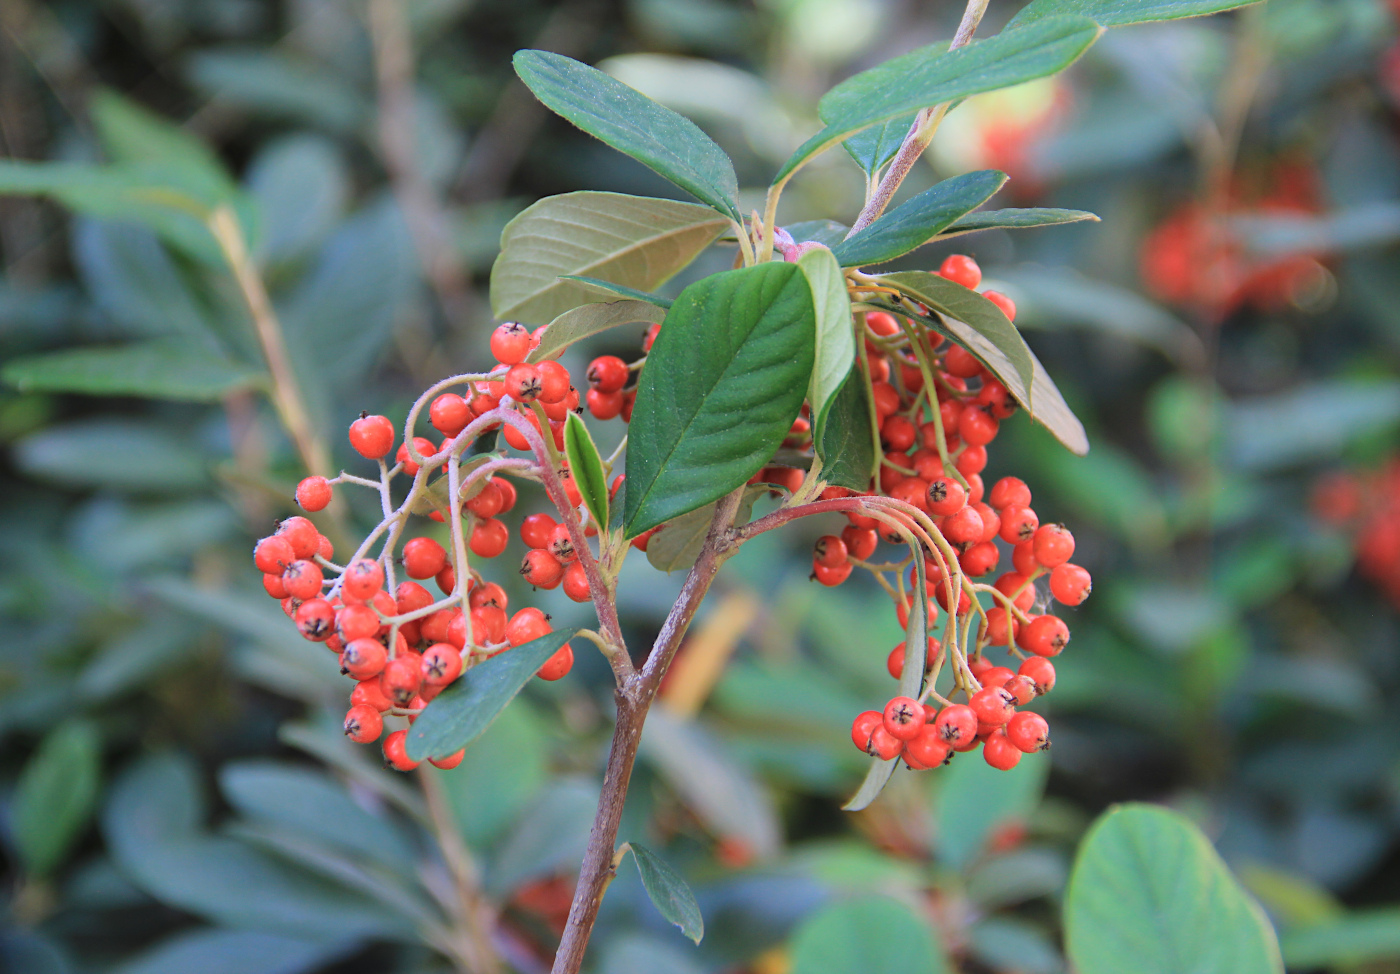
x=920 y=133
x=634 y=699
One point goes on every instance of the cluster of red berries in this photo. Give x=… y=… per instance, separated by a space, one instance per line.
x=403 y=647
x=1368 y=506
x=938 y=408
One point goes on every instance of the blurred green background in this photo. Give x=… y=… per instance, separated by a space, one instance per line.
x=175 y=795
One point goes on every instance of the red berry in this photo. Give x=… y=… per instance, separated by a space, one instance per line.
x=401 y=678
x=302 y=579
x=863 y=726
x=980 y=559
x=860 y=542
x=1002 y=627
x=449 y=414
x=368 y=693
x=1018 y=524
x=1069 y=584
x=554 y=383
x=886 y=399
x=488 y=625
x=541 y=569
x=441 y=664
x=561 y=545
x=363 y=577
x=830 y=551
x=315 y=620
x=898 y=433
x=488 y=594
x=973 y=459
x=396 y=752
x=576 y=582
x=1023 y=557
x=883 y=744
x=372 y=436
x=995 y=676
x=604 y=405
x=903 y=718
x=449 y=762
x=363 y=659
x=273 y=555
x=1022 y=688
x=1017 y=588
x=1053 y=545
x=882 y=323
x=1005 y=304
x=446 y=580
x=963 y=527
x=423 y=558
x=356 y=621
x=992 y=705
x=1028 y=732
x=831 y=575
x=999 y=752
x=607 y=373
x=997 y=399
x=489 y=538
x=961 y=269
x=1044 y=635
x=488 y=502
x=363 y=724
x=302 y=535
x=557 y=666
x=928 y=748
x=946 y=496
x=977 y=427
x=537 y=529
x=425 y=450
x=272 y=584
x=523 y=383
x=956 y=723
x=527 y=625
x=314 y=493
x=510 y=342
x=961 y=363
x=1039 y=671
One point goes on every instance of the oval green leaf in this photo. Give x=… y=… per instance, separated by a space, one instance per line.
x=871 y=933
x=155 y=370
x=668 y=892
x=978 y=325
x=1122 y=13
x=919 y=219
x=630 y=240
x=877 y=145
x=667 y=143
x=722 y=385
x=1014 y=218
x=465 y=709
x=55 y=796
x=590 y=319
x=587 y=468
x=836 y=343
x=933 y=75
x=1148 y=893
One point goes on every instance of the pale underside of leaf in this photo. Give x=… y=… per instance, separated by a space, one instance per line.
x=1014 y=219
x=836 y=345
x=590 y=319
x=630 y=240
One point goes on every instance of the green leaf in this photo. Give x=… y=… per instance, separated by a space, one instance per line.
x=1148 y=886
x=1121 y=13
x=677 y=543
x=136 y=456
x=919 y=219
x=870 y=933
x=629 y=240
x=669 y=144
x=827 y=232
x=668 y=892
x=1014 y=219
x=877 y=145
x=933 y=75
x=500 y=774
x=846 y=444
x=587 y=468
x=722 y=385
x=836 y=343
x=130 y=133
x=980 y=327
x=618 y=290
x=590 y=319
x=155 y=370
x=55 y=796
x=975 y=799
x=466 y=708
x=215 y=951
x=1356 y=938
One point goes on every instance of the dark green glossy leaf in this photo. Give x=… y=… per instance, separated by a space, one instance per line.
x=980 y=326
x=587 y=468
x=722 y=385
x=1121 y=13
x=156 y=370
x=466 y=708
x=670 y=144
x=590 y=319
x=630 y=241
x=847 y=444
x=55 y=796
x=919 y=219
x=877 y=145
x=933 y=75
x=870 y=933
x=836 y=343
x=1148 y=886
x=1014 y=219
x=668 y=892
x=619 y=290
